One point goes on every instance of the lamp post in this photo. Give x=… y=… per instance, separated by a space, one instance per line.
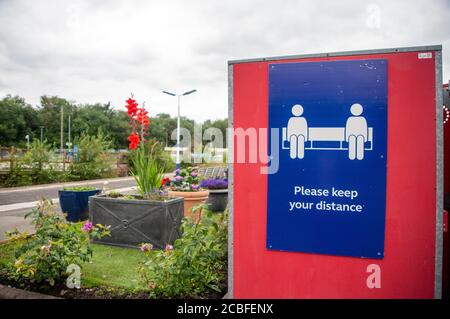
x=27 y=137
x=62 y=131
x=178 y=164
x=69 y=144
x=42 y=133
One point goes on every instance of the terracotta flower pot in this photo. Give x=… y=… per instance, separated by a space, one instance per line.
x=191 y=199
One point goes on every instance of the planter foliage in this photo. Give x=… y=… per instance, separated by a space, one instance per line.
x=194 y=265
x=56 y=244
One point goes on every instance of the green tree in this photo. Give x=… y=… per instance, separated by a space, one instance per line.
x=17 y=119
x=118 y=129
x=50 y=111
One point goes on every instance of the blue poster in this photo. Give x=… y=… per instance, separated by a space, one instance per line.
x=328 y=195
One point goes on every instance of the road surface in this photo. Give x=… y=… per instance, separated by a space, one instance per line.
x=16 y=202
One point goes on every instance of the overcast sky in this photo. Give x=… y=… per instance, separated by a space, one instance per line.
x=100 y=51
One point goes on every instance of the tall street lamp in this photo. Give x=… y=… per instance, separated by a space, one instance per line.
x=42 y=133
x=178 y=164
x=27 y=137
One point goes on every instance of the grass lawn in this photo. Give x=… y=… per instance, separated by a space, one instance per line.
x=113 y=267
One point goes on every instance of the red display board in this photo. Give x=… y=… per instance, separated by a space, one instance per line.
x=412 y=265
x=446 y=248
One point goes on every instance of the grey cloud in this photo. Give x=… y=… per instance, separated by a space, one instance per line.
x=92 y=51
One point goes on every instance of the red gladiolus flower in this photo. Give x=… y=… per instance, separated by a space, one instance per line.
x=132 y=107
x=139 y=122
x=134 y=141
x=142 y=118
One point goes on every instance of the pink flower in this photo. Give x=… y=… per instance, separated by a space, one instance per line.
x=87 y=227
x=146 y=247
x=169 y=247
x=194 y=174
x=46 y=248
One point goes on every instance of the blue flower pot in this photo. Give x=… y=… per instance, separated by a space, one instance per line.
x=76 y=203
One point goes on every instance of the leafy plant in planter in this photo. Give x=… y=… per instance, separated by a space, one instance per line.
x=185 y=184
x=147 y=174
x=56 y=244
x=194 y=266
x=151 y=216
x=218 y=193
x=159 y=155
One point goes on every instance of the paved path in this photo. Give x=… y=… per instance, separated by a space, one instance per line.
x=16 y=202
x=13 y=293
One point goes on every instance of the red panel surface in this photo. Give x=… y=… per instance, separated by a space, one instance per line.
x=407 y=271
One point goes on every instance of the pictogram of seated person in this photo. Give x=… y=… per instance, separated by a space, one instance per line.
x=356 y=132
x=297 y=132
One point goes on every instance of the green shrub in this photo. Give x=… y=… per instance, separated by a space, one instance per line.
x=35 y=158
x=56 y=244
x=93 y=159
x=34 y=168
x=38 y=154
x=19 y=175
x=195 y=265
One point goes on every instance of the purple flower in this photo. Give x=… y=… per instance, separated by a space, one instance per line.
x=214 y=183
x=87 y=227
x=195 y=187
x=194 y=174
x=178 y=178
x=146 y=247
x=177 y=171
x=169 y=247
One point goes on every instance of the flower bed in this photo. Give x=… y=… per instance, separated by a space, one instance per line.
x=112 y=273
x=198 y=259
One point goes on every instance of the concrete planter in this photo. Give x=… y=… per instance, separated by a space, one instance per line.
x=134 y=222
x=217 y=200
x=191 y=199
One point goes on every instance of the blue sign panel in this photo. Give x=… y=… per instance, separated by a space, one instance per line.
x=329 y=193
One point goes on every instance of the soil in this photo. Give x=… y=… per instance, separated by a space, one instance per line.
x=62 y=291
x=155 y=197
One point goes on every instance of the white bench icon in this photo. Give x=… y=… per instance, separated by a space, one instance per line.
x=360 y=137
